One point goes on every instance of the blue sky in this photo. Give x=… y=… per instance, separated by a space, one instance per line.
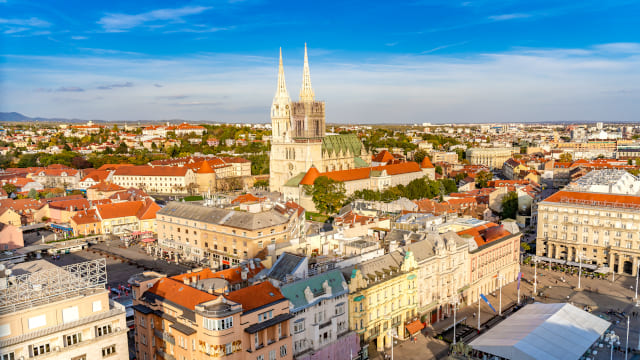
x=372 y=62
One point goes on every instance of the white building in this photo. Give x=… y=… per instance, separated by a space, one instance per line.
x=608 y=181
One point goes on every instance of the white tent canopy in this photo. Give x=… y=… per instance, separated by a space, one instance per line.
x=543 y=331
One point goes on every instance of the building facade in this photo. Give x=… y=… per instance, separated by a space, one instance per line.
x=225 y=236
x=320 y=327
x=74 y=320
x=492 y=157
x=383 y=297
x=156 y=179
x=603 y=228
x=177 y=320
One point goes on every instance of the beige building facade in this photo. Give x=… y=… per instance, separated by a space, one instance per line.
x=490 y=156
x=75 y=320
x=603 y=228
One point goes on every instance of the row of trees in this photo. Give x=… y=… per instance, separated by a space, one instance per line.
x=329 y=195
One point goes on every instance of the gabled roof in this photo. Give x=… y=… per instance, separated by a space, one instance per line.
x=486 y=233
x=241 y=199
x=595 y=199
x=97 y=175
x=383 y=157
x=179 y=293
x=106 y=186
x=232 y=275
x=311 y=176
x=205 y=168
x=287 y=264
x=86 y=217
x=360 y=173
x=256 y=296
x=426 y=163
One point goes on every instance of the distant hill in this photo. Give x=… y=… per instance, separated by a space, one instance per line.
x=17 y=117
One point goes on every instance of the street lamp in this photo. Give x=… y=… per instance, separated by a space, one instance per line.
x=500 y=278
x=535 y=275
x=455 y=306
x=580 y=255
x=637 y=272
x=612 y=339
x=393 y=334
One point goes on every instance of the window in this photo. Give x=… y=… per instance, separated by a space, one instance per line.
x=111 y=349
x=142 y=322
x=340 y=309
x=260 y=244
x=272 y=355
x=256 y=340
x=298 y=326
x=260 y=357
x=279 y=330
x=283 y=350
x=265 y=316
x=72 y=339
x=103 y=330
x=9 y=356
x=216 y=325
x=41 y=349
x=228 y=348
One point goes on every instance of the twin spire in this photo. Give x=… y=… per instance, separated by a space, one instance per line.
x=306 y=91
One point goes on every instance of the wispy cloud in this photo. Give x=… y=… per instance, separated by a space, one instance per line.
x=443 y=47
x=69 y=89
x=505 y=17
x=109 y=51
x=112 y=86
x=198 y=30
x=173 y=97
x=158 y=85
x=623 y=48
x=391 y=43
x=79 y=37
x=21 y=27
x=125 y=22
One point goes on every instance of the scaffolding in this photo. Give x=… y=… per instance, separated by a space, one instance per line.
x=24 y=291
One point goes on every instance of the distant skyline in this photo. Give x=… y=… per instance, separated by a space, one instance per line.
x=372 y=62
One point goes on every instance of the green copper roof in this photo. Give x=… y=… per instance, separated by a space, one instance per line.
x=345 y=143
x=295 y=181
x=295 y=291
x=359 y=162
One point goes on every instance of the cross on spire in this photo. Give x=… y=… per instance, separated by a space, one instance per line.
x=306 y=92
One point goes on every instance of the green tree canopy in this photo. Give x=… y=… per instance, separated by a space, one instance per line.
x=327 y=195
x=483 y=178
x=9 y=188
x=510 y=205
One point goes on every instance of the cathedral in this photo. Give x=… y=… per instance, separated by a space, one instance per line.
x=299 y=141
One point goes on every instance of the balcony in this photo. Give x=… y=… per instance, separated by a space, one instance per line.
x=165 y=336
x=164 y=355
x=324 y=325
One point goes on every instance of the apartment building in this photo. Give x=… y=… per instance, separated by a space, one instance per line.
x=73 y=319
x=450 y=157
x=493 y=157
x=320 y=326
x=383 y=297
x=188 y=320
x=441 y=260
x=494 y=258
x=126 y=217
x=157 y=179
x=601 y=227
x=225 y=236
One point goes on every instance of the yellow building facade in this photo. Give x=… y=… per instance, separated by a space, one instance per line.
x=383 y=298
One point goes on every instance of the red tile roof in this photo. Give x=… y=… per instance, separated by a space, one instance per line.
x=86 y=217
x=179 y=293
x=106 y=186
x=97 y=175
x=232 y=275
x=383 y=157
x=146 y=170
x=247 y=198
x=360 y=173
x=485 y=234
x=143 y=210
x=255 y=296
x=113 y=166
x=426 y=163
x=595 y=199
x=74 y=205
x=205 y=168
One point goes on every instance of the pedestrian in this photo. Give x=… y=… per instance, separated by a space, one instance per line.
x=474 y=315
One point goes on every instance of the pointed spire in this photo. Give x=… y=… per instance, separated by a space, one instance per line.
x=306 y=92
x=281 y=92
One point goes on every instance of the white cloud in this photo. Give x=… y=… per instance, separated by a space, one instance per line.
x=519 y=85
x=31 y=22
x=505 y=17
x=79 y=37
x=625 y=48
x=125 y=22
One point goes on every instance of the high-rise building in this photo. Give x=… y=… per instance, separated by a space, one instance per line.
x=60 y=313
x=298 y=136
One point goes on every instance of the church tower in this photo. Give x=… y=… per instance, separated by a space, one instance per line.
x=280 y=108
x=306 y=91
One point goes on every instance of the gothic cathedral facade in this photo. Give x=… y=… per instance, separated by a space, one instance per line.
x=298 y=139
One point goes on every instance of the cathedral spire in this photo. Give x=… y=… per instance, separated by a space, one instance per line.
x=306 y=92
x=281 y=92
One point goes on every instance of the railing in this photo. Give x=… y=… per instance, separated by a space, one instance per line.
x=164 y=355
x=325 y=325
x=165 y=336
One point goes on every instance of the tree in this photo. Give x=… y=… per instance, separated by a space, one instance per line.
x=525 y=246
x=327 y=194
x=566 y=157
x=79 y=162
x=510 y=205
x=419 y=156
x=261 y=184
x=438 y=169
x=9 y=188
x=122 y=148
x=483 y=178
x=33 y=194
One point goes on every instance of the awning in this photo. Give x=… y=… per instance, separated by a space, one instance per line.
x=61 y=227
x=551 y=260
x=414 y=327
x=585 y=266
x=148 y=240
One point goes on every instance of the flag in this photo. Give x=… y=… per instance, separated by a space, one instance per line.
x=487 y=301
x=519 y=277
